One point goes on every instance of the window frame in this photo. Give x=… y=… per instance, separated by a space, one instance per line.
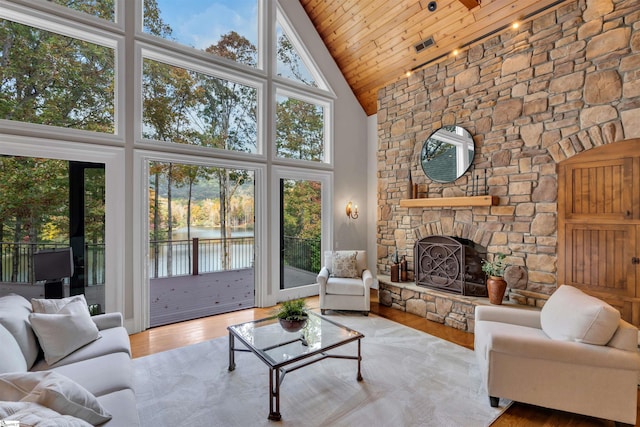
x=113 y=159
x=141 y=222
x=177 y=60
x=83 y=32
x=327 y=105
x=326 y=239
x=140 y=34
x=303 y=52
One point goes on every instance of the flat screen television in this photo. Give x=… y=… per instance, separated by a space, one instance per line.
x=54 y=264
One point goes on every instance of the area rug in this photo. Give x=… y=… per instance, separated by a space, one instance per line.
x=410 y=379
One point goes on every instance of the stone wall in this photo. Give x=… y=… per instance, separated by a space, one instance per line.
x=565 y=82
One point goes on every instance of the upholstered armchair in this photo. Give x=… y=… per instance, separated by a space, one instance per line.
x=345 y=281
x=575 y=355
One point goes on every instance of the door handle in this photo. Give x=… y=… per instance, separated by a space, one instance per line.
x=635 y=260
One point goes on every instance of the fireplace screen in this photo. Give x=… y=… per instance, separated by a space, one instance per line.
x=450 y=264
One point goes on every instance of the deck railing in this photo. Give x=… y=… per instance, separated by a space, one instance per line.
x=196 y=256
x=302 y=253
x=187 y=257
x=16 y=261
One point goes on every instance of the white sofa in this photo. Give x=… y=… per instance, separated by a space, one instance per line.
x=345 y=282
x=93 y=384
x=575 y=355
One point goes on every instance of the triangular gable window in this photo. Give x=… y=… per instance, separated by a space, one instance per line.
x=292 y=61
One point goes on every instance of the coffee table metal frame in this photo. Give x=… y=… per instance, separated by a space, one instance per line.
x=278 y=369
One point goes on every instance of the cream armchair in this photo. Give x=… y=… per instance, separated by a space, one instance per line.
x=575 y=355
x=345 y=281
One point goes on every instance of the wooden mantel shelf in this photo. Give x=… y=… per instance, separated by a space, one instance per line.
x=450 y=201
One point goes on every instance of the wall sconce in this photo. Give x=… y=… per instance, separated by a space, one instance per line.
x=352 y=211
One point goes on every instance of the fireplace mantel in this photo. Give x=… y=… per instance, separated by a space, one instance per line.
x=450 y=201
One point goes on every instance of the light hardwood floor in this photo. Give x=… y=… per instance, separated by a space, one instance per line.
x=198 y=330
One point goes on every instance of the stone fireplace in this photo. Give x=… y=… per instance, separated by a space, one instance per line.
x=563 y=83
x=450 y=264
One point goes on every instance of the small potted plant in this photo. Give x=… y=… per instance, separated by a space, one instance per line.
x=496 y=285
x=293 y=315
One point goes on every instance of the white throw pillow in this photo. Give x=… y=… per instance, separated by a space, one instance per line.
x=14 y=316
x=344 y=264
x=66 y=331
x=11 y=357
x=34 y=415
x=52 y=306
x=56 y=392
x=572 y=315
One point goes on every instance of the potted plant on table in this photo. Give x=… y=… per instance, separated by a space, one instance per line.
x=496 y=285
x=293 y=315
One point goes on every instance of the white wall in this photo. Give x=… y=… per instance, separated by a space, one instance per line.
x=350 y=139
x=372 y=192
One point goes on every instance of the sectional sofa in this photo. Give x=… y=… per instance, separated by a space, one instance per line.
x=60 y=366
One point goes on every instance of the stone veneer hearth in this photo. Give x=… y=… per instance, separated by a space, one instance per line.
x=565 y=82
x=456 y=311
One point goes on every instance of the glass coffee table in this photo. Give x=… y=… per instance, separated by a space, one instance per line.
x=285 y=352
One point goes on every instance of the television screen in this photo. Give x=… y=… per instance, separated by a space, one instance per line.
x=53 y=264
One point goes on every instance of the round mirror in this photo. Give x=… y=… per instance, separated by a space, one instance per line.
x=447 y=154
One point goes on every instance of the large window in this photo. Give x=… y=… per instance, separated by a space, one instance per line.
x=300 y=129
x=48 y=78
x=226 y=28
x=50 y=204
x=187 y=107
x=104 y=9
x=289 y=62
x=188 y=84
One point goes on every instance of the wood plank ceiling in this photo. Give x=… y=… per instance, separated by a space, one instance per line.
x=372 y=41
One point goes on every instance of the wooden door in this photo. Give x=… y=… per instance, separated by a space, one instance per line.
x=599 y=225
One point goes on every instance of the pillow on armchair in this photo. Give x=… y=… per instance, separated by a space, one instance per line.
x=344 y=264
x=572 y=315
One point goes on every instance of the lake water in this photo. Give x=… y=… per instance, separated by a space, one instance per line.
x=209 y=233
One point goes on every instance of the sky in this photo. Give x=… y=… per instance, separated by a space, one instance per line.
x=200 y=23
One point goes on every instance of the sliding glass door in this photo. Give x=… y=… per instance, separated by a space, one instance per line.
x=201 y=241
x=300 y=232
x=303 y=220
x=50 y=204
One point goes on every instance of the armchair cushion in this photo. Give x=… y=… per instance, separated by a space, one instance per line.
x=572 y=315
x=345 y=286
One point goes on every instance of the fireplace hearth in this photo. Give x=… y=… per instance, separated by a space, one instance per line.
x=450 y=264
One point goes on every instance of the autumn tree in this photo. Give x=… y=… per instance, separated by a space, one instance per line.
x=229 y=120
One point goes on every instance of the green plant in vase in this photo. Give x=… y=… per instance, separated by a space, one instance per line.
x=293 y=315
x=496 y=267
x=496 y=285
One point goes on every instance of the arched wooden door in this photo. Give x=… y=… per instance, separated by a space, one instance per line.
x=599 y=224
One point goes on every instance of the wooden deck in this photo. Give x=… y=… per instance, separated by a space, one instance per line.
x=180 y=298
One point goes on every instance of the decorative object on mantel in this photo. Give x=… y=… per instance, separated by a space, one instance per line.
x=475 y=189
x=496 y=285
x=395 y=268
x=292 y=315
x=447 y=154
x=403 y=268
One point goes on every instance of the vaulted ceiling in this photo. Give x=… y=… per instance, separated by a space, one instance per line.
x=373 y=41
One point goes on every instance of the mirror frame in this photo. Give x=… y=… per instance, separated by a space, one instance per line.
x=455 y=137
